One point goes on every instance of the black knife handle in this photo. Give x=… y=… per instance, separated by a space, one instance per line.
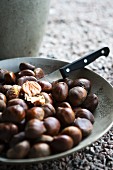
x=82 y=62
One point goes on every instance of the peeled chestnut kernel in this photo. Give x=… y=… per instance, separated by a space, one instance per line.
x=17 y=138
x=77 y=95
x=52 y=126
x=48 y=97
x=74 y=132
x=84 y=113
x=26 y=72
x=49 y=110
x=24 y=66
x=39 y=73
x=45 y=85
x=2 y=105
x=15 y=113
x=61 y=143
x=19 y=151
x=60 y=91
x=65 y=115
x=10 y=78
x=34 y=128
x=84 y=125
x=7 y=130
x=91 y=102
x=39 y=150
x=3 y=97
x=17 y=101
x=35 y=112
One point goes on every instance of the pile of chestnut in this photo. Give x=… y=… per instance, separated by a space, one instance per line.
x=39 y=118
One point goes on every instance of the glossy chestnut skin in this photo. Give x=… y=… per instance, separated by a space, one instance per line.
x=49 y=110
x=74 y=132
x=23 y=79
x=52 y=126
x=7 y=130
x=19 y=151
x=35 y=112
x=14 y=113
x=91 y=102
x=77 y=95
x=2 y=105
x=66 y=116
x=64 y=104
x=82 y=82
x=25 y=72
x=39 y=150
x=84 y=125
x=13 y=92
x=19 y=137
x=39 y=73
x=45 y=85
x=10 y=78
x=2 y=75
x=34 y=128
x=48 y=97
x=3 y=97
x=17 y=101
x=24 y=66
x=61 y=143
x=60 y=91
x=84 y=113
x=4 y=88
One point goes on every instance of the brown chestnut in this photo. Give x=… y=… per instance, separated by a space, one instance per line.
x=45 y=85
x=7 y=130
x=35 y=112
x=49 y=110
x=77 y=95
x=84 y=113
x=60 y=91
x=39 y=73
x=91 y=102
x=2 y=105
x=24 y=66
x=14 y=113
x=39 y=150
x=19 y=151
x=64 y=104
x=10 y=78
x=2 y=75
x=26 y=72
x=23 y=79
x=17 y=138
x=65 y=115
x=74 y=132
x=3 y=97
x=61 y=143
x=13 y=92
x=17 y=101
x=34 y=128
x=84 y=125
x=82 y=82
x=4 y=88
x=52 y=125
x=48 y=97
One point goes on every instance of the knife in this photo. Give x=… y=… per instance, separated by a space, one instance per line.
x=64 y=71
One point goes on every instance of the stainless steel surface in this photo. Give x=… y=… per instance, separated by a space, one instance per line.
x=103 y=114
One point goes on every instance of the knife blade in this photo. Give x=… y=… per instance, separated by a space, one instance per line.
x=78 y=64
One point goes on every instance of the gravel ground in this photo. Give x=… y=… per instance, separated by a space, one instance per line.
x=75 y=28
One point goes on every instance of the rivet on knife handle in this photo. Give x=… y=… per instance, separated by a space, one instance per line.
x=82 y=62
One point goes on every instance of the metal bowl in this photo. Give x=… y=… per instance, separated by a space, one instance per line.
x=103 y=114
